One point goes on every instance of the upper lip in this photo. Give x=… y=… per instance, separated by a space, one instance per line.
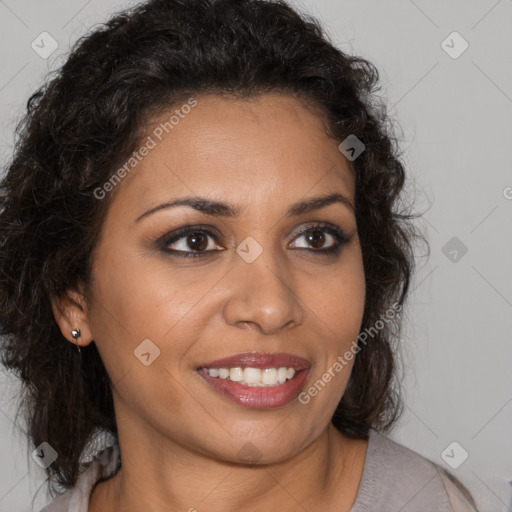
x=260 y=360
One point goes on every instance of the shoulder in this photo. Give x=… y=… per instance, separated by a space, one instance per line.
x=460 y=497
x=104 y=465
x=397 y=478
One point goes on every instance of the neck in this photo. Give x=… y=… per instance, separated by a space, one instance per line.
x=160 y=475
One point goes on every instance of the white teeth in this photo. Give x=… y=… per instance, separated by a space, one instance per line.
x=269 y=376
x=236 y=374
x=254 y=376
x=223 y=373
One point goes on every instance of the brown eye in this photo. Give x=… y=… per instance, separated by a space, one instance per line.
x=190 y=242
x=197 y=241
x=315 y=237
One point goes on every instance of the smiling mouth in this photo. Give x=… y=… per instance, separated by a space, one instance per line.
x=253 y=377
x=256 y=369
x=257 y=380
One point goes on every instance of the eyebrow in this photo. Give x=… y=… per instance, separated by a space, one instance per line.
x=219 y=209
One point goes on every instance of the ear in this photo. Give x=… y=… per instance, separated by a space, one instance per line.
x=71 y=312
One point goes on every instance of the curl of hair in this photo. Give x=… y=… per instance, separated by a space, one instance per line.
x=84 y=123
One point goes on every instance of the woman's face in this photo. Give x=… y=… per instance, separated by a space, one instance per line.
x=255 y=284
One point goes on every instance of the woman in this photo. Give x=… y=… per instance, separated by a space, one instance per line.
x=202 y=256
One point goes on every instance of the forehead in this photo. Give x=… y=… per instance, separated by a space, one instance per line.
x=263 y=148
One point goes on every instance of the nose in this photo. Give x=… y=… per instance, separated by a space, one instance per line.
x=262 y=295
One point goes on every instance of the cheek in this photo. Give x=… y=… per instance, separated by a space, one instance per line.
x=143 y=298
x=338 y=306
x=138 y=309
x=338 y=300
x=134 y=300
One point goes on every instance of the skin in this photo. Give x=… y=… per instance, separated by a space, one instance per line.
x=179 y=438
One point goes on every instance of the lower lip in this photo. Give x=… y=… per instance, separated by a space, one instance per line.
x=258 y=397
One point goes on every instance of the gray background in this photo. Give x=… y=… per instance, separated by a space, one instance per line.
x=455 y=114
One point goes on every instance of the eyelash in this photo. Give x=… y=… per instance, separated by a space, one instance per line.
x=341 y=239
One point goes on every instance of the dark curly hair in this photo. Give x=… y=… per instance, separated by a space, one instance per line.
x=85 y=121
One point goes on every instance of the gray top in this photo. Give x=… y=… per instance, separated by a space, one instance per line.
x=394 y=479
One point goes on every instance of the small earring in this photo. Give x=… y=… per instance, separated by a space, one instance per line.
x=76 y=334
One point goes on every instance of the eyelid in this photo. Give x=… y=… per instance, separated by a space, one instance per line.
x=340 y=236
x=325 y=226
x=179 y=233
